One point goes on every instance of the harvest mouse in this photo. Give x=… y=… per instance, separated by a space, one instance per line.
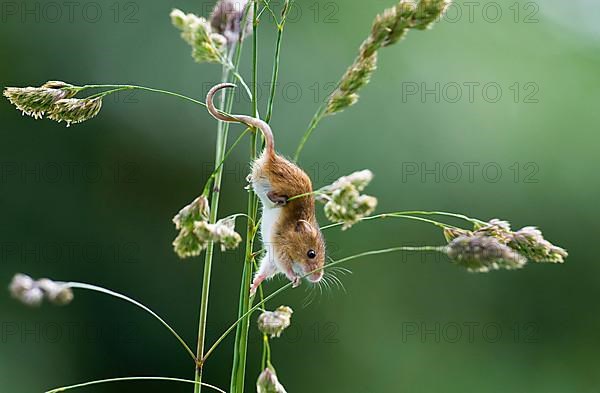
x=289 y=230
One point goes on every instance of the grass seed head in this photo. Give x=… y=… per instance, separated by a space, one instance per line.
x=75 y=110
x=37 y=101
x=483 y=254
x=273 y=323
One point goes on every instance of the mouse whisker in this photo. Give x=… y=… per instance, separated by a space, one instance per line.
x=339 y=283
x=332 y=278
x=333 y=283
x=328 y=284
x=339 y=269
x=310 y=297
x=322 y=284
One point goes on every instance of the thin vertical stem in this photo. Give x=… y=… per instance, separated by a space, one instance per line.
x=238 y=371
x=214 y=206
x=266 y=356
x=221 y=147
x=313 y=124
x=275 y=74
x=280 y=27
x=255 y=59
x=266 y=353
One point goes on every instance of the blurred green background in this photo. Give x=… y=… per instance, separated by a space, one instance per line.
x=513 y=95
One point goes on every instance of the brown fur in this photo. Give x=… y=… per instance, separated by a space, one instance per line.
x=296 y=231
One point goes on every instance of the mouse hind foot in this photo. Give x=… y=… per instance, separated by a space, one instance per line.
x=266 y=270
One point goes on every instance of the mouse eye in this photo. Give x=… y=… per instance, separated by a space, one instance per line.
x=311 y=254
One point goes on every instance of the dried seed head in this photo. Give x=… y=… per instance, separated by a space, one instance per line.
x=20 y=284
x=340 y=100
x=402 y=21
x=451 y=233
x=359 y=179
x=184 y=22
x=388 y=28
x=268 y=383
x=226 y=234
x=25 y=289
x=223 y=231
x=383 y=25
x=75 y=110
x=60 y=85
x=37 y=101
x=530 y=242
x=207 y=45
x=482 y=254
x=496 y=223
x=187 y=244
x=355 y=78
x=347 y=205
x=228 y=20
x=32 y=293
x=204 y=231
x=427 y=12
x=179 y=19
x=344 y=203
x=273 y=323
x=359 y=74
x=196 y=233
x=502 y=224
x=407 y=14
x=198 y=210
x=495 y=228
x=33 y=297
x=56 y=292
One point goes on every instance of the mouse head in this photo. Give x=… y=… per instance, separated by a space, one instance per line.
x=305 y=247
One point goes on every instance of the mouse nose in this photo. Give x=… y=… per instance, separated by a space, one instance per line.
x=316 y=277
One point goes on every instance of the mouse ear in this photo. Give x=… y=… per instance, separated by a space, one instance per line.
x=304 y=226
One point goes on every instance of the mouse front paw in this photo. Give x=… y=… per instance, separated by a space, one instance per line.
x=296 y=282
x=276 y=198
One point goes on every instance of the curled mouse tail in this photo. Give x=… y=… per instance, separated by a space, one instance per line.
x=247 y=120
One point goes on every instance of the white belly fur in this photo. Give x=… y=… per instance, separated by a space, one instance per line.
x=271 y=213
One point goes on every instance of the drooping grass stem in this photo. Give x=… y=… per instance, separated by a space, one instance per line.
x=116 y=88
x=411 y=216
x=95 y=288
x=125 y=379
x=330 y=265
